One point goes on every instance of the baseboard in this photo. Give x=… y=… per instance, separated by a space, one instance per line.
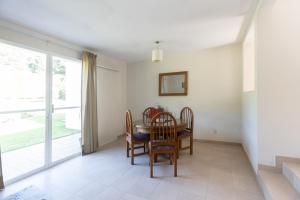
x=269 y=168
x=247 y=155
x=262 y=186
x=120 y=136
x=256 y=171
x=202 y=140
x=281 y=159
x=257 y=176
x=217 y=142
x=103 y=146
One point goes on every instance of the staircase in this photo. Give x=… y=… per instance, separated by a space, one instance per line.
x=292 y=172
x=281 y=186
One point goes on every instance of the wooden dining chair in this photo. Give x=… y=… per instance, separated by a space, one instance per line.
x=163 y=139
x=187 y=116
x=147 y=114
x=134 y=140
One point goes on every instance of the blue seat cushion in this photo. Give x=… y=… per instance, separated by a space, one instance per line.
x=184 y=133
x=163 y=148
x=141 y=137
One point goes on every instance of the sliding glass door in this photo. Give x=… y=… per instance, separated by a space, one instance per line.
x=22 y=110
x=40 y=99
x=66 y=101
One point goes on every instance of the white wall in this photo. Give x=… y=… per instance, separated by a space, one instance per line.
x=214 y=91
x=249 y=97
x=107 y=80
x=278 y=61
x=112 y=101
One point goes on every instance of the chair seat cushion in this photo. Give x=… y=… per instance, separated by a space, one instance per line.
x=163 y=148
x=141 y=137
x=184 y=133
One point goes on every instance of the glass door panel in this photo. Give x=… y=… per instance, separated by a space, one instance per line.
x=66 y=133
x=22 y=110
x=22 y=142
x=66 y=100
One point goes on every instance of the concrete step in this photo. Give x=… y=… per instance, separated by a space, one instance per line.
x=292 y=172
x=276 y=187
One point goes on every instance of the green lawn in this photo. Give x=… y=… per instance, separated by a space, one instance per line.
x=35 y=136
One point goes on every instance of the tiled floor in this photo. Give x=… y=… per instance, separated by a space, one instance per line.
x=215 y=171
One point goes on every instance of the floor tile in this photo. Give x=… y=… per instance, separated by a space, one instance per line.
x=213 y=172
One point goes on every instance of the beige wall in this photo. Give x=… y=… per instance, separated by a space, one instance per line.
x=278 y=61
x=249 y=97
x=214 y=90
x=271 y=111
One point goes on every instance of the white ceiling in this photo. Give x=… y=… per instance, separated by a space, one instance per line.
x=127 y=29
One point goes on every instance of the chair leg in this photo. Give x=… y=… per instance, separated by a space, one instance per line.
x=147 y=147
x=177 y=150
x=127 y=148
x=171 y=159
x=151 y=164
x=177 y=154
x=191 y=145
x=180 y=143
x=149 y=154
x=175 y=165
x=144 y=147
x=132 y=154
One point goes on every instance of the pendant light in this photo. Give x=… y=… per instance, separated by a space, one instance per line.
x=157 y=53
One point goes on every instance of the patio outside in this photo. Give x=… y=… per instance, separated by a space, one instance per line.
x=22 y=140
x=24 y=129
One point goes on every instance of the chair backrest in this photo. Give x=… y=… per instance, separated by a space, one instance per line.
x=187 y=116
x=147 y=113
x=128 y=123
x=163 y=127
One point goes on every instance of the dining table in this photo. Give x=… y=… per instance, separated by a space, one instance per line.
x=143 y=126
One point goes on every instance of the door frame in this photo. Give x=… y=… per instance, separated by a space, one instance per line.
x=49 y=109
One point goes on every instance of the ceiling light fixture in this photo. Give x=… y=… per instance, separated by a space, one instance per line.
x=157 y=53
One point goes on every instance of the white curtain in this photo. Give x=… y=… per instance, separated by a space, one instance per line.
x=1 y=175
x=89 y=104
